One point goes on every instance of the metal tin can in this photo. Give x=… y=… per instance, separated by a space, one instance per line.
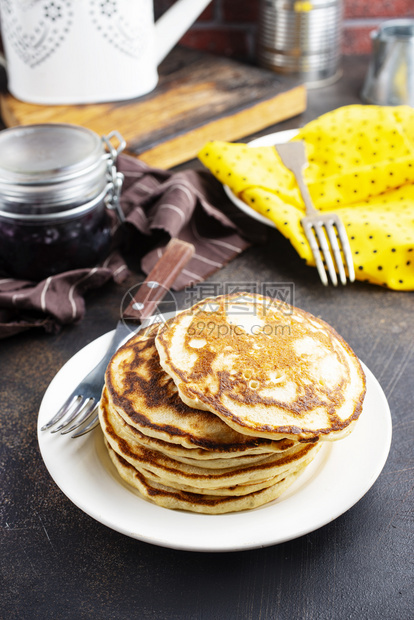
x=57 y=182
x=301 y=39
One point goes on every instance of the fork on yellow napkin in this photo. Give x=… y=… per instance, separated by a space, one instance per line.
x=361 y=165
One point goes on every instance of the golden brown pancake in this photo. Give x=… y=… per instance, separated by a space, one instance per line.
x=168 y=497
x=175 y=451
x=223 y=407
x=265 y=368
x=152 y=463
x=144 y=395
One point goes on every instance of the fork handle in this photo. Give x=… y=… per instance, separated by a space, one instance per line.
x=293 y=156
x=176 y=255
x=155 y=286
x=163 y=274
x=303 y=188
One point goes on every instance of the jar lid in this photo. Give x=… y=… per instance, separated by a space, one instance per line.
x=51 y=165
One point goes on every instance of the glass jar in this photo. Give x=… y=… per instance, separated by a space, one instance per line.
x=57 y=182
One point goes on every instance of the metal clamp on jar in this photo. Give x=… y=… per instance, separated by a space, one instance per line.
x=57 y=182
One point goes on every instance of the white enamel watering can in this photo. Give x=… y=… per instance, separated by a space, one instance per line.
x=88 y=51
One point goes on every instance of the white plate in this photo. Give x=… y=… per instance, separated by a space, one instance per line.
x=341 y=474
x=273 y=138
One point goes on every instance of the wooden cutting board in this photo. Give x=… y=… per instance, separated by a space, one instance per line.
x=199 y=97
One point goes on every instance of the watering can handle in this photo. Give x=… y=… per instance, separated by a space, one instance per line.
x=171 y=26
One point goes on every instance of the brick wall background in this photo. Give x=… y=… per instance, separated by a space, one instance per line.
x=228 y=27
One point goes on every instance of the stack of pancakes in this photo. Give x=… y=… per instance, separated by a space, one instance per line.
x=222 y=407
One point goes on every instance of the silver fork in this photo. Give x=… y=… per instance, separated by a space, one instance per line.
x=82 y=405
x=79 y=411
x=327 y=225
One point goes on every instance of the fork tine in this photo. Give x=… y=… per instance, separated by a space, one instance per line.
x=86 y=412
x=310 y=236
x=326 y=252
x=92 y=424
x=67 y=420
x=336 y=250
x=346 y=248
x=67 y=405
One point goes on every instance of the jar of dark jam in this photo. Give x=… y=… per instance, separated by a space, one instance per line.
x=57 y=182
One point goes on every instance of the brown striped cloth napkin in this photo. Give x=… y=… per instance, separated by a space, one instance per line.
x=158 y=205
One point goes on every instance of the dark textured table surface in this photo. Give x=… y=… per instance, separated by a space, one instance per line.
x=59 y=563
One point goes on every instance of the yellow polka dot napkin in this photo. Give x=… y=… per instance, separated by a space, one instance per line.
x=361 y=165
